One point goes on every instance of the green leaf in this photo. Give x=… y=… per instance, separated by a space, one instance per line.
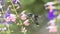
x=8 y=31
x=8 y=0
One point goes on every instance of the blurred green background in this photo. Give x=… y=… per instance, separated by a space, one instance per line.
x=36 y=7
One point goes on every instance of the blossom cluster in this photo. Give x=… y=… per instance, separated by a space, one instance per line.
x=26 y=22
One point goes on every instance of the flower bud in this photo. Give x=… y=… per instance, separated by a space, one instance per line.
x=26 y=23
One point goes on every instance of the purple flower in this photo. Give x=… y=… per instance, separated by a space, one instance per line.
x=3 y=1
x=16 y=2
x=7 y=15
x=8 y=12
x=51 y=14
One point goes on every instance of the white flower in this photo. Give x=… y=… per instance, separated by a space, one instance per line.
x=23 y=30
x=23 y=12
x=0 y=15
x=0 y=6
x=13 y=17
x=58 y=17
x=4 y=28
x=52 y=28
x=52 y=21
x=49 y=3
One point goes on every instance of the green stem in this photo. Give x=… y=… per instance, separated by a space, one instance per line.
x=17 y=14
x=24 y=32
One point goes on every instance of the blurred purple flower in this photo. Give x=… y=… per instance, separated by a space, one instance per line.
x=8 y=12
x=17 y=2
x=3 y=1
